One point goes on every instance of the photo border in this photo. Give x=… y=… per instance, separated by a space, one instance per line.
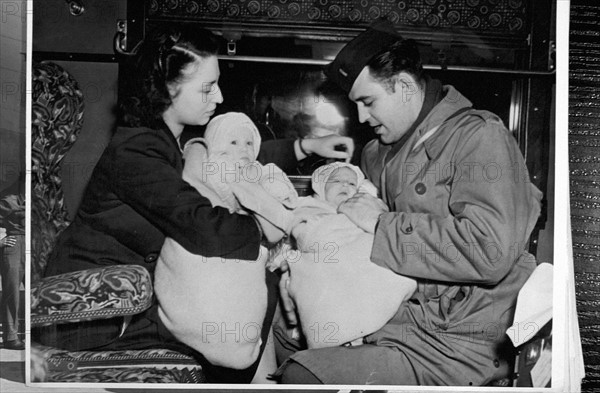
x=563 y=295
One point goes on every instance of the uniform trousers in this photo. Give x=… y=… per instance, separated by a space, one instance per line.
x=12 y=269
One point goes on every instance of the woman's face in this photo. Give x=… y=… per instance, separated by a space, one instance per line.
x=341 y=185
x=195 y=98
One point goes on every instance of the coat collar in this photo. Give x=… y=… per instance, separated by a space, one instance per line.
x=163 y=128
x=452 y=102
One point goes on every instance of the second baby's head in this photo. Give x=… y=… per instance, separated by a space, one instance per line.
x=336 y=183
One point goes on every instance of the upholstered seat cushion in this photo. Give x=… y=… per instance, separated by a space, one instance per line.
x=147 y=366
x=106 y=292
x=130 y=375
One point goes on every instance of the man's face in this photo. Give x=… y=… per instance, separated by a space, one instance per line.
x=390 y=113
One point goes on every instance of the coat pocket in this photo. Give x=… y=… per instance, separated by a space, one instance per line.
x=448 y=308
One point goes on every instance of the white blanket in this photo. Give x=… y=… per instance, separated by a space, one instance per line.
x=340 y=294
x=212 y=304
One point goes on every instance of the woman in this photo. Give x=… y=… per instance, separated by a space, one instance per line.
x=136 y=196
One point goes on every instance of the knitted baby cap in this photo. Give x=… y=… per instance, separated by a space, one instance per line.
x=221 y=127
x=322 y=174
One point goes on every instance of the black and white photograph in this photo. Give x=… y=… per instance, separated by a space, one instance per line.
x=299 y=195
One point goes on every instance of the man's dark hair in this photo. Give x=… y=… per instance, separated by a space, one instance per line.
x=401 y=56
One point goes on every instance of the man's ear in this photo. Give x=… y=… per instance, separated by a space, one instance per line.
x=407 y=85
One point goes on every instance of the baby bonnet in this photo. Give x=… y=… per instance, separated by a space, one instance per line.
x=222 y=126
x=322 y=174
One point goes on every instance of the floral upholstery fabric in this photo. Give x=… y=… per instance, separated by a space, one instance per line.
x=57 y=117
x=130 y=375
x=140 y=366
x=91 y=294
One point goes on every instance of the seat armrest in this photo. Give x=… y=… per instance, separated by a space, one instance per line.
x=528 y=373
x=98 y=293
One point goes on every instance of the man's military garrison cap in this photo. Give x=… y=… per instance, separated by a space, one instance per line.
x=344 y=70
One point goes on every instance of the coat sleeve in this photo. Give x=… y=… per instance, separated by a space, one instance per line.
x=12 y=211
x=279 y=152
x=493 y=208
x=143 y=174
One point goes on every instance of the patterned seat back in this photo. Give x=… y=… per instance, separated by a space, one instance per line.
x=57 y=117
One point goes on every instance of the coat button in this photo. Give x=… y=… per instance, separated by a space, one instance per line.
x=496 y=363
x=408 y=229
x=152 y=257
x=420 y=188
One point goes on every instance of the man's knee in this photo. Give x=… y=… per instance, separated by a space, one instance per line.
x=296 y=374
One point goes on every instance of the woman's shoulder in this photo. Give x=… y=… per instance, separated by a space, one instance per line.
x=142 y=138
x=131 y=144
x=123 y=134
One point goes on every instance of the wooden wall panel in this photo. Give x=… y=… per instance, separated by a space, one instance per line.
x=55 y=29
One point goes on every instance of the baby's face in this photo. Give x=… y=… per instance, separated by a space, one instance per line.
x=237 y=146
x=341 y=185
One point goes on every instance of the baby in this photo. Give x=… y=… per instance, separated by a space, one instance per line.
x=202 y=300
x=340 y=295
x=226 y=157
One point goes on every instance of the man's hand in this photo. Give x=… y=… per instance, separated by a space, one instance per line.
x=8 y=241
x=363 y=210
x=325 y=146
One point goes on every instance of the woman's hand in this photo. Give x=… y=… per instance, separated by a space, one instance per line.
x=325 y=146
x=195 y=170
x=270 y=231
x=255 y=198
x=363 y=210
x=251 y=194
x=289 y=308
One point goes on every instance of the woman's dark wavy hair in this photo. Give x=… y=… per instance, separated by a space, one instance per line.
x=159 y=62
x=401 y=56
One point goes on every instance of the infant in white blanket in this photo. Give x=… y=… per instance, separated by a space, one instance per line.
x=216 y=305
x=340 y=295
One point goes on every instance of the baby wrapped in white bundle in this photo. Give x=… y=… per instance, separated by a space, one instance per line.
x=340 y=295
x=217 y=305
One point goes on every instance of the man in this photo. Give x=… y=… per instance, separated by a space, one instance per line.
x=12 y=261
x=460 y=209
